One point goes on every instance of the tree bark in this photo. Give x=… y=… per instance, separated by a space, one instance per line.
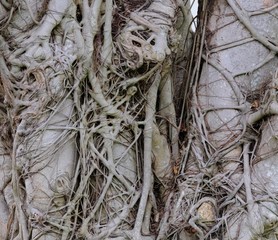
x=82 y=85
x=233 y=110
x=112 y=129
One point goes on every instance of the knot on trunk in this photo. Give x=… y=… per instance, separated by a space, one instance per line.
x=147 y=35
x=61 y=184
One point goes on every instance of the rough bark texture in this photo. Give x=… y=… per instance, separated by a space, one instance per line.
x=87 y=113
x=111 y=129
x=233 y=130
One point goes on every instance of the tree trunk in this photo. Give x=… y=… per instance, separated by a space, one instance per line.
x=87 y=114
x=112 y=129
x=230 y=175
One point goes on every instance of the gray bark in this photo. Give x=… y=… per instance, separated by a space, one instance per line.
x=81 y=138
x=233 y=113
x=94 y=98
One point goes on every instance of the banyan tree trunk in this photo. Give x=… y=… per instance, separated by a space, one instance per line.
x=230 y=180
x=88 y=124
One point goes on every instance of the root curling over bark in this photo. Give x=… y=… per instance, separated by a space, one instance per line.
x=87 y=119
